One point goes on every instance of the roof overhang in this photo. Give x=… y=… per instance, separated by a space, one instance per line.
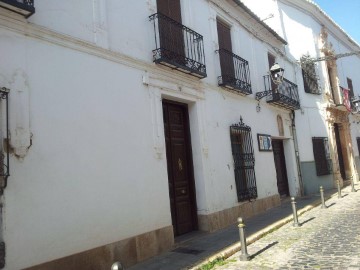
x=260 y=22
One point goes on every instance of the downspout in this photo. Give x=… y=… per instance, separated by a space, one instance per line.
x=297 y=157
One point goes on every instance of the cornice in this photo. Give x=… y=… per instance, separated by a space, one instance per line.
x=258 y=21
x=248 y=22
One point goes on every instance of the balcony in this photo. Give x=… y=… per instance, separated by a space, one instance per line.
x=22 y=7
x=284 y=95
x=177 y=46
x=235 y=73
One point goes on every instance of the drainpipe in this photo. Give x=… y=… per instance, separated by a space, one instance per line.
x=296 y=146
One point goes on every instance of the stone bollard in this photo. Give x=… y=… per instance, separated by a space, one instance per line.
x=338 y=188
x=352 y=184
x=293 y=205
x=322 y=197
x=244 y=256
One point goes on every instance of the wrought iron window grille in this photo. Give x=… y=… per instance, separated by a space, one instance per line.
x=285 y=94
x=244 y=161
x=309 y=74
x=22 y=7
x=178 y=46
x=4 y=154
x=235 y=72
x=322 y=156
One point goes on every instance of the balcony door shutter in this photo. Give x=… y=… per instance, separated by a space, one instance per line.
x=350 y=86
x=226 y=58
x=170 y=8
x=171 y=33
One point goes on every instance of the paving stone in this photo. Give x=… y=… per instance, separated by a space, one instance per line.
x=328 y=240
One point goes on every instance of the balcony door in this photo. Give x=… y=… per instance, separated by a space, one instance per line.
x=226 y=58
x=170 y=33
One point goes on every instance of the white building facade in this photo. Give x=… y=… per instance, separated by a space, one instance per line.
x=132 y=124
x=323 y=120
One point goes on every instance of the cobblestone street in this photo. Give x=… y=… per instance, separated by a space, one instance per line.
x=327 y=239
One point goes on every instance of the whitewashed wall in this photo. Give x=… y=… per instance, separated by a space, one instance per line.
x=90 y=170
x=97 y=166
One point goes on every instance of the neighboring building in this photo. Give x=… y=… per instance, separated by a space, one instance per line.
x=131 y=124
x=323 y=122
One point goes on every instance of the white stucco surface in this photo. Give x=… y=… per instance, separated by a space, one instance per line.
x=86 y=117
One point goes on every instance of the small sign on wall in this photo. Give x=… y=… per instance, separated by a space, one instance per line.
x=264 y=142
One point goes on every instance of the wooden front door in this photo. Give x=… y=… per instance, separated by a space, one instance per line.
x=339 y=151
x=280 y=166
x=180 y=168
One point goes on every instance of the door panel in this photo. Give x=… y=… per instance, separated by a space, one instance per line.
x=180 y=171
x=280 y=166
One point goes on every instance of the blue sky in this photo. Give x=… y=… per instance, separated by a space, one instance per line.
x=345 y=13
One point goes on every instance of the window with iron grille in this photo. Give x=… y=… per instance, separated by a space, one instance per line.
x=322 y=155
x=244 y=161
x=310 y=78
x=358 y=143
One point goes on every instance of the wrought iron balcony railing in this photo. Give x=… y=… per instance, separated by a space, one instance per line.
x=177 y=46
x=23 y=7
x=284 y=95
x=235 y=72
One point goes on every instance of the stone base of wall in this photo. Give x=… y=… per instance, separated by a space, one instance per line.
x=224 y=218
x=141 y=247
x=129 y=252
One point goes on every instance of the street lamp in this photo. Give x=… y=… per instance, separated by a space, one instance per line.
x=277 y=74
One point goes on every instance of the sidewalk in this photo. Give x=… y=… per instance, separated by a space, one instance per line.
x=202 y=247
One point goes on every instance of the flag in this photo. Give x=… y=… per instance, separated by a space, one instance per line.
x=346 y=99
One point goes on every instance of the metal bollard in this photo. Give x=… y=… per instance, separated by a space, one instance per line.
x=352 y=184
x=117 y=266
x=322 y=197
x=244 y=256
x=293 y=205
x=339 y=189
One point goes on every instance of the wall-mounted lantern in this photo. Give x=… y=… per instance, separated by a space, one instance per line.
x=277 y=77
x=277 y=73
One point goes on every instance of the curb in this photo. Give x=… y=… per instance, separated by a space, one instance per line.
x=231 y=250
